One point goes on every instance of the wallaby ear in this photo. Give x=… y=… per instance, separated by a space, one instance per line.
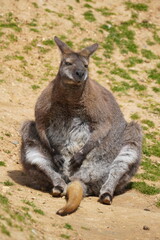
x=62 y=46
x=86 y=52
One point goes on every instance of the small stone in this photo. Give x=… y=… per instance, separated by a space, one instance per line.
x=146 y=227
x=15 y=142
x=147 y=209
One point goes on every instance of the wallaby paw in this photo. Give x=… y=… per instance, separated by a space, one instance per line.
x=105 y=198
x=56 y=192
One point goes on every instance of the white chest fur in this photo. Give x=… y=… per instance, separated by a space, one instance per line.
x=69 y=138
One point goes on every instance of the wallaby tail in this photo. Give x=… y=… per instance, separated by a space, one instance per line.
x=74 y=196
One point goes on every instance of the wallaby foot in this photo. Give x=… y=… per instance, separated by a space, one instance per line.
x=105 y=198
x=58 y=191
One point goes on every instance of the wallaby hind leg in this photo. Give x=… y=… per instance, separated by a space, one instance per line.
x=37 y=161
x=124 y=165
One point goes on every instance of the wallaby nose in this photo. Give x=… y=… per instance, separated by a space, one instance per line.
x=80 y=73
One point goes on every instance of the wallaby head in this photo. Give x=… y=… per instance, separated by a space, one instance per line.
x=74 y=65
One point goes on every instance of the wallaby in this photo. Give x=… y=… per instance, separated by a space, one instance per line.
x=79 y=143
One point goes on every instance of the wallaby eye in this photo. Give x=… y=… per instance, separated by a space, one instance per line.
x=86 y=65
x=68 y=63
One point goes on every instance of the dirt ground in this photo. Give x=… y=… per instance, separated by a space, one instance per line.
x=28 y=63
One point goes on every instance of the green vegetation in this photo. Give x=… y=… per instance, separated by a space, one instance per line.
x=120 y=36
x=87 y=5
x=155 y=75
x=136 y=6
x=144 y=188
x=49 y=42
x=39 y=211
x=35 y=4
x=89 y=16
x=132 y=61
x=135 y=116
x=104 y=11
x=121 y=73
x=2 y=164
x=156 y=89
x=29 y=203
x=8 y=183
x=68 y=226
x=65 y=236
x=149 y=123
x=158 y=203
x=3 y=200
x=4 y=230
x=120 y=87
x=148 y=54
x=85 y=228
x=12 y=37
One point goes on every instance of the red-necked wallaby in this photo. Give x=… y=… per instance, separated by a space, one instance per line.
x=79 y=143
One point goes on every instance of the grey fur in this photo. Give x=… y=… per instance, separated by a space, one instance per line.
x=79 y=133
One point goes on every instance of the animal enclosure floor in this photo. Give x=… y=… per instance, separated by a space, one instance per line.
x=29 y=60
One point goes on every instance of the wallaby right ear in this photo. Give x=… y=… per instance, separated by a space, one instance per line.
x=62 y=46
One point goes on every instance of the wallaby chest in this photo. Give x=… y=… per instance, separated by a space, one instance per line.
x=68 y=136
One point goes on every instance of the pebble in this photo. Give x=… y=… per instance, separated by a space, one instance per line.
x=15 y=142
x=146 y=227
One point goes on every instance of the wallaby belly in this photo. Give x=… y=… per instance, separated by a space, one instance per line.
x=68 y=138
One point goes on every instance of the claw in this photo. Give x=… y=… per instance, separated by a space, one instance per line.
x=105 y=198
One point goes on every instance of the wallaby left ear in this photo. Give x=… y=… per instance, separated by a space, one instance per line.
x=62 y=46
x=86 y=52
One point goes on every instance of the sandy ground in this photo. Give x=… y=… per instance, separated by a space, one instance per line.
x=132 y=214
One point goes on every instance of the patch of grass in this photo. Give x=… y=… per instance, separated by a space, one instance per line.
x=39 y=211
x=85 y=228
x=148 y=54
x=158 y=203
x=1 y=34
x=35 y=87
x=149 y=123
x=144 y=188
x=18 y=216
x=12 y=37
x=121 y=36
x=27 y=48
x=29 y=203
x=8 y=183
x=89 y=16
x=120 y=87
x=132 y=61
x=156 y=37
x=154 y=74
x=134 y=116
x=28 y=74
x=69 y=43
x=145 y=24
x=87 y=5
x=49 y=42
x=11 y=25
x=4 y=230
x=156 y=89
x=65 y=236
x=139 y=87
x=68 y=226
x=150 y=43
x=34 y=30
x=136 y=6
x=147 y=176
x=6 y=151
x=35 y=4
x=151 y=149
x=3 y=200
x=104 y=11
x=121 y=73
x=2 y=164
